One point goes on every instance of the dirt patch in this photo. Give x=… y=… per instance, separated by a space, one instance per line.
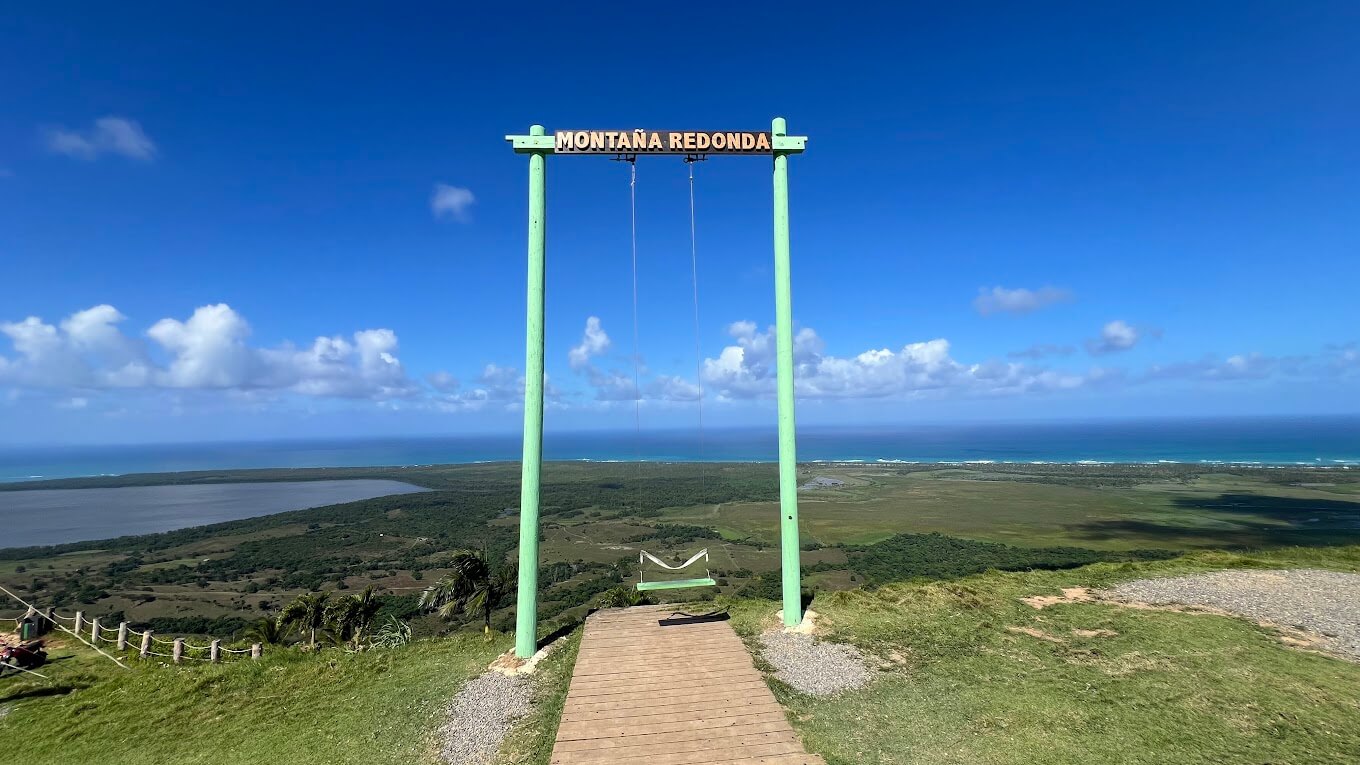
x=1094 y=633
x=1069 y=595
x=1035 y=632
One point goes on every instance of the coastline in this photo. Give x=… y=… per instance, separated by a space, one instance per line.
x=237 y=474
x=1265 y=442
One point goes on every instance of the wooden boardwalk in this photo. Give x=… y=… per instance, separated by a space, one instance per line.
x=662 y=690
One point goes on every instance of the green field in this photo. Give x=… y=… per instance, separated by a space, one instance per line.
x=596 y=517
x=966 y=673
x=969 y=673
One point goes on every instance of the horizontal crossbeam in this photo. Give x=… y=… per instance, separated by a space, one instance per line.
x=546 y=144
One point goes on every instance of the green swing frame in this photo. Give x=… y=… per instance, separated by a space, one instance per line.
x=539 y=146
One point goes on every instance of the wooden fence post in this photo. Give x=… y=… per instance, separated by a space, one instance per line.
x=146 y=643
x=122 y=636
x=178 y=653
x=51 y=616
x=94 y=630
x=256 y=650
x=80 y=622
x=215 y=651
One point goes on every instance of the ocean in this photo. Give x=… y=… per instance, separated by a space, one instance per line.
x=1329 y=441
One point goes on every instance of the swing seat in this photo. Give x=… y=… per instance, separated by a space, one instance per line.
x=675 y=584
x=672 y=584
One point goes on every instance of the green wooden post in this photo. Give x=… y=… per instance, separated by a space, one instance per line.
x=788 y=452
x=526 y=613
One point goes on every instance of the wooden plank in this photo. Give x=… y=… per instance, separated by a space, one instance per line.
x=650 y=687
x=665 y=742
x=705 y=755
x=712 y=721
x=638 y=713
x=633 y=695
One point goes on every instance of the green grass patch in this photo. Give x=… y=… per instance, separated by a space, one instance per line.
x=975 y=675
x=375 y=707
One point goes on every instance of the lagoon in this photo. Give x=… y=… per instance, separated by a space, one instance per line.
x=57 y=516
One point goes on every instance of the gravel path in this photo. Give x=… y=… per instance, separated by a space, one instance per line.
x=481 y=715
x=1326 y=603
x=814 y=666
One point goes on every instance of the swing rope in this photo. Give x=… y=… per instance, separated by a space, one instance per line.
x=643 y=555
x=637 y=390
x=698 y=355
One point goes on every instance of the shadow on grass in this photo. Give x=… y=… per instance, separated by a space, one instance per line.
x=36 y=693
x=1242 y=520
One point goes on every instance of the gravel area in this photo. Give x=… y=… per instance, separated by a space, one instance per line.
x=481 y=715
x=1324 y=603
x=814 y=666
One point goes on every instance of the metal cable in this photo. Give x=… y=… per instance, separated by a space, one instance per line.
x=637 y=390
x=698 y=355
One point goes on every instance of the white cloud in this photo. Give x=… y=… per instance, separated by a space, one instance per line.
x=594 y=342
x=747 y=370
x=496 y=385
x=672 y=388
x=1115 y=336
x=207 y=351
x=451 y=202
x=1042 y=350
x=609 y=385
x=1019 y=300
x=443 y=381
x=1242 y=366
x=108 y=135
x=1343 y=359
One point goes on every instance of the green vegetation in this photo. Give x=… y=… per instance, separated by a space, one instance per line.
x=922 y=567
x=376 y=707
x=473 y=585
x=935 y=556
x=972 y=674
x=217 y=580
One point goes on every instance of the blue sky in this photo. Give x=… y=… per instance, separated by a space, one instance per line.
x=254 y=222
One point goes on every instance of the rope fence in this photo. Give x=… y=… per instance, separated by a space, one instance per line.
x=123 y=637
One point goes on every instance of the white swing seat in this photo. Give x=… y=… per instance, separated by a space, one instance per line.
x=672 y=584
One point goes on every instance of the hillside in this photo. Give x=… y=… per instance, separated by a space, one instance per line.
x=880 y=523
x=967 y=672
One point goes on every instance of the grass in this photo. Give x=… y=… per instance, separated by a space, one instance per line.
x=590 y=514
x=376 y=707
x=1144 y=509
x=531 y=741
x=970 y=674
x=963 y=684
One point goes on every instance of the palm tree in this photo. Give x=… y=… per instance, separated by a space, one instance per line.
x=623 y=596
x=307 y=612
x=266 y=631
x=471 y=587
x=352 y=615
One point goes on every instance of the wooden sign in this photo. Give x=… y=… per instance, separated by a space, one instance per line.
x=660 y=142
